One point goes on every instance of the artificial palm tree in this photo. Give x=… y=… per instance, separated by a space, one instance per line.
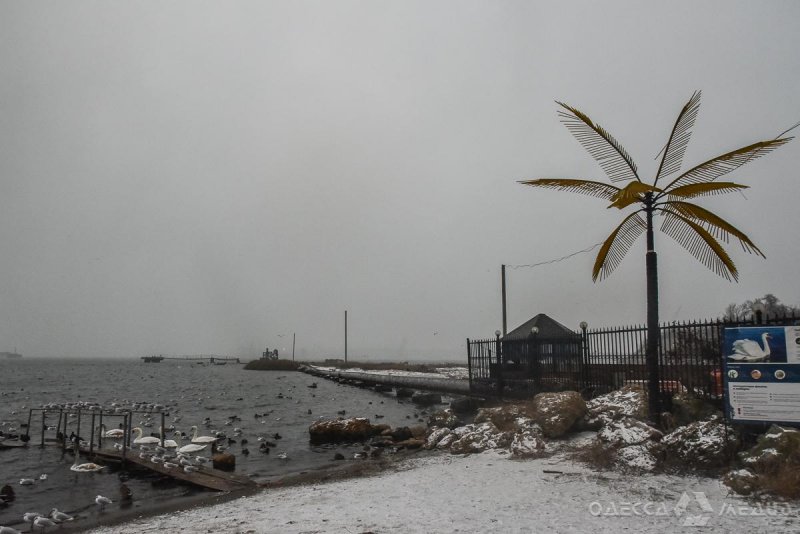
x=696 y=229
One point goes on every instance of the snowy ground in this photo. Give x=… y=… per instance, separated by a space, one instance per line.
x=486 y=492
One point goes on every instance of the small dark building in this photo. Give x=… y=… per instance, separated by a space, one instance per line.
x=541 y=346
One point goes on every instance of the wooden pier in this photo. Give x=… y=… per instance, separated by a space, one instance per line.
x=221 y=360
x=206 y=477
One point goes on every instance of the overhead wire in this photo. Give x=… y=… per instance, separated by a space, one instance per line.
x=556 y=260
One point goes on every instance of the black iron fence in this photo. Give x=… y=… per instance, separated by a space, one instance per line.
x=600 y=360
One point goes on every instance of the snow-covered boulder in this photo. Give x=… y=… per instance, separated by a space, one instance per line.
x=436 y=435
x=557 y=412
x=443 y=418
x=478 y=438
x=527 y=443
x=707 y=443
x=628 y=431
x=503 y=417
x=778 y=446
x=687 y=408
x=338 y=430
x=629 y=401
x=742 y=481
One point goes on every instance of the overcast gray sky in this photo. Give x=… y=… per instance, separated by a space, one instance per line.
x=210 y=177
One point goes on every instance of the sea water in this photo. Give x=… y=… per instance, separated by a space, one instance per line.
x=264 y=403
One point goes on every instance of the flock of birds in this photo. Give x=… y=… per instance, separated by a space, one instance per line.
x=179 y=450
x=158 y=449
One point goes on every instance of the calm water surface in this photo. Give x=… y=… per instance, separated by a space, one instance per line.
x=190 y=392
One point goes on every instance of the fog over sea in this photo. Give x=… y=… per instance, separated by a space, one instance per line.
x=190 y=392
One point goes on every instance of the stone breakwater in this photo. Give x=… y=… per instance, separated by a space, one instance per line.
x=387 y=381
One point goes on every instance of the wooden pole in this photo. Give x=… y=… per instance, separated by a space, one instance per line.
x=78 y=432
x=162 y=429
x=294 y=338
x=100 y=435
x=345 y=336
x=58 y=426
x=44 y=425
x=28 y=428
x=91 y=436
x=125 y=437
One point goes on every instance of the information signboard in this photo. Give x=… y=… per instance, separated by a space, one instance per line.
x=762 y=374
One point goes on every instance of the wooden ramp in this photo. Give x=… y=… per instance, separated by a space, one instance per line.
x=206 y=477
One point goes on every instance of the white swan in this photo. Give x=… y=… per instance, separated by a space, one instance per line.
x=168 y=443
x=146 y=440
x=88 y=467
x=114 y=433
x=192 y=448
x=747 y=350
x=201 y=439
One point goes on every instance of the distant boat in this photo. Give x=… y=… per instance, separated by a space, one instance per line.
x=10 y=354
x=152 y=359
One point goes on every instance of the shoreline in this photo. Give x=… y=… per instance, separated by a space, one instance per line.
x=323 y=475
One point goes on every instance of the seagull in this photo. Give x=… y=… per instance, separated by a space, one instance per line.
x=30 y=516
x=26 y=482
x=8 y=530
x=42 y=522
x=60 y=516
x=102 y=501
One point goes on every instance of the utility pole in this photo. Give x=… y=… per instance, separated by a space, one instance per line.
x=503 y=284
x=294 y=338
x=345 y=336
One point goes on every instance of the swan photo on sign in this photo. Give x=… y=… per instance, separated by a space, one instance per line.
x=762 y=374
x=773 y=344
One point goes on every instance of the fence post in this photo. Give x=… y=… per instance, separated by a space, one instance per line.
x=584 y=356
x=469 y=364
x=498 y=350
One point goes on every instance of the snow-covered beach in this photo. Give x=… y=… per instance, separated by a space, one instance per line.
x=485 y=492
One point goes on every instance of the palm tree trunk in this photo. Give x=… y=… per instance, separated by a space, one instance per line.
x=653 y=334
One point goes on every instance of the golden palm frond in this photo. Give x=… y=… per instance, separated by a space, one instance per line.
x=679 y=138
x=721 y=165
x=714 y=224
x=612 y=157
x=585 y=187
x=703 y=190
x=633 y=192
x=700 y=244
x=617 y=245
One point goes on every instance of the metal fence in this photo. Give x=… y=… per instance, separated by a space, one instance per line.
x=597 y=361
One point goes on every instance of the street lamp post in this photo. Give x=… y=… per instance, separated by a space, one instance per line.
x=499 y=352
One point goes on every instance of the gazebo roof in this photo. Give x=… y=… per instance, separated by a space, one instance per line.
x=548 y=327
